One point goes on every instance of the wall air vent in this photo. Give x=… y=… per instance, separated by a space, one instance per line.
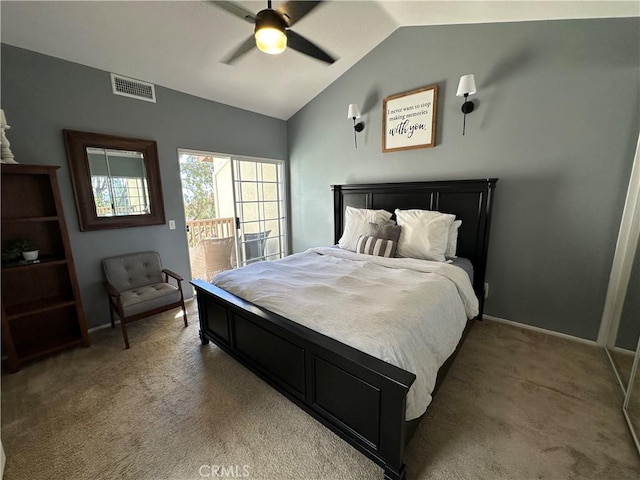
x=130 y=87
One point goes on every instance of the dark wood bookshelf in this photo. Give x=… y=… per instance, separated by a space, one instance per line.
x=41 y=307
x=29 y=219
x=42 y=261
x=39 y=349
x=38 y=306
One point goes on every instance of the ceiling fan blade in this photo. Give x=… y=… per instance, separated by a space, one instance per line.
x=247 y=45
x=235 y=9
x=296 y=10
x=302 y=45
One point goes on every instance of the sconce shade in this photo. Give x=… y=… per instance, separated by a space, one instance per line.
x=467 y=85
x=354 y=111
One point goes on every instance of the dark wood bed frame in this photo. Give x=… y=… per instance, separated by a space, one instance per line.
x=359 y=397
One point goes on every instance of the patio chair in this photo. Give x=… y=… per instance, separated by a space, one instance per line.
x=254 y=245
x=211 y=256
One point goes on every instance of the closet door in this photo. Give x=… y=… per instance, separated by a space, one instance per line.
x=631 y=406
x=625 y=332
x=620 y=328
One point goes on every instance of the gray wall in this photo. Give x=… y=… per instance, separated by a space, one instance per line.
x=42 y=95
x=556 y=120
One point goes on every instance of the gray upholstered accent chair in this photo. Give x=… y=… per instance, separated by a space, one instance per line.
x=138 y=287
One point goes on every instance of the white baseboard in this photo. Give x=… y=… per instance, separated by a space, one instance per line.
x=541 y=330
x=100 y=327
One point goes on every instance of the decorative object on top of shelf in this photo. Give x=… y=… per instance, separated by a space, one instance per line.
x=466 y=87
x=15 y=250
x=354 y=112
x=409 y=119
x=116 y=180
x=6 y=156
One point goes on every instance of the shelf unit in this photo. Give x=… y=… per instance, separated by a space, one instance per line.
x=41 y=306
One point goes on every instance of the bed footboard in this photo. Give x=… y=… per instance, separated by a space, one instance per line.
x=357 y=396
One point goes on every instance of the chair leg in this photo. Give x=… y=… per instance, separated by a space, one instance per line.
x=184 y=313
x=124 y=333
x=184 y=309
x=113 y=324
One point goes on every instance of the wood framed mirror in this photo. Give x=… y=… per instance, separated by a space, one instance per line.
x=116 y=180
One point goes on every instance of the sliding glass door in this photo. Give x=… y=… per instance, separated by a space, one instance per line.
x=260 y=207
x=235 y=210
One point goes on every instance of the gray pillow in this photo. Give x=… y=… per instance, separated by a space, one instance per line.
x=385 y=231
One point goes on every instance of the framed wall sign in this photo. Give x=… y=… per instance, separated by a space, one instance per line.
x=409 y=119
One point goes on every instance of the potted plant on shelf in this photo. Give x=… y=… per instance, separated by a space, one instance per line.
x=15 y=250
x=28 y=250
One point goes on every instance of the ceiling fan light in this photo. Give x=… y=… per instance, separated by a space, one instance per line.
x=271 y=40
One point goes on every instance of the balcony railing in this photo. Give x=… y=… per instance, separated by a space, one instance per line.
x=209 y=228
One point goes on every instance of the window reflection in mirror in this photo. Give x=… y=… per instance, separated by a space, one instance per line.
x=118 y=182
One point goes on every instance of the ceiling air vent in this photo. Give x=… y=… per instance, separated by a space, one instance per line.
x=130 y=87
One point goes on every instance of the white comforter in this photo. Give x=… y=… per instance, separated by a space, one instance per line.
x=410 y=313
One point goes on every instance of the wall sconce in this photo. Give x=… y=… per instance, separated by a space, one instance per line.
x=354 y=112
x=466 y=87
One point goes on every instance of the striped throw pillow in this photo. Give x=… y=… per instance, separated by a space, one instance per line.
x=376 y=246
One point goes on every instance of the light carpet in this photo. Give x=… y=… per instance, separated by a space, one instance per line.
x=516 y=404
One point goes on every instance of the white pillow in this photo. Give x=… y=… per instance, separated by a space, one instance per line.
x=356 y=223
x=424 y=235
x=452 y=245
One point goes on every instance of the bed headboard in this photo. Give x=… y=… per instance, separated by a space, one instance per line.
x=469 y=200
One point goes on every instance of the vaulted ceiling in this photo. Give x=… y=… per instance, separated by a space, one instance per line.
x=180 y=44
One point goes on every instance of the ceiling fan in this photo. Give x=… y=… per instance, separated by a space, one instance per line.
x=272 y=33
